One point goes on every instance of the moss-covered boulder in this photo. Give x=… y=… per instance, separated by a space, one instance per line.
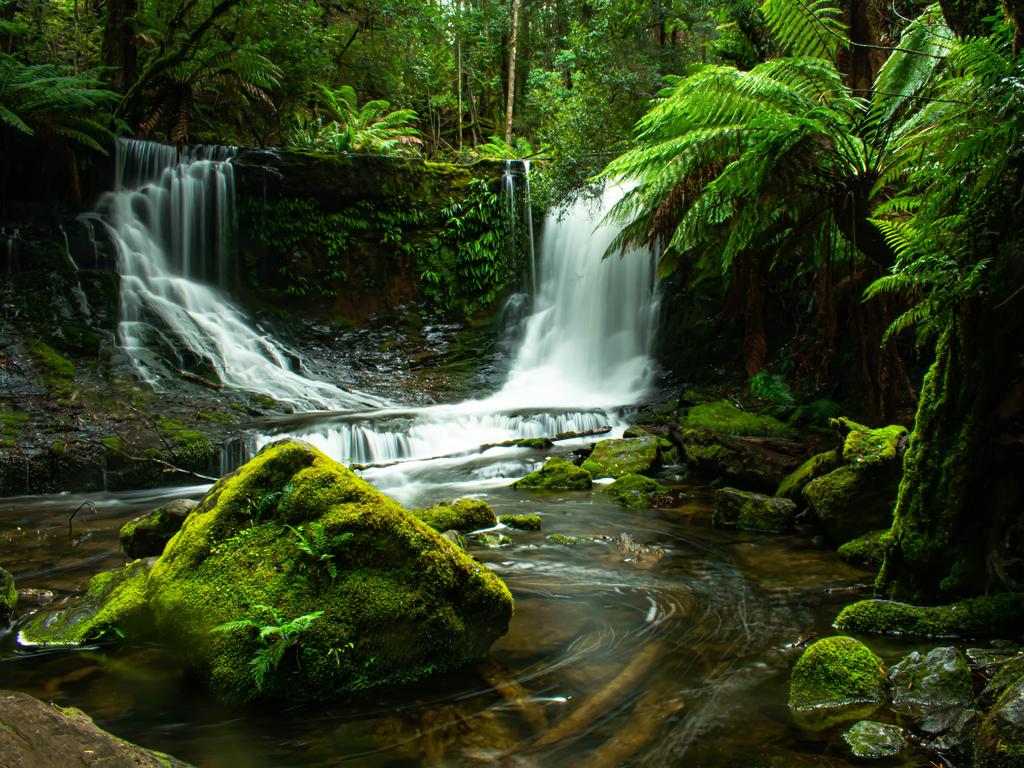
x=557 y=474
x=820 y=464
x=758 y=463
x=114 y=606
x=294 y=579
x=859 y=496
x=723 y=416
x=866 y=551
x=521 y=522
x=999 y=742
x=634 y=491
x=623 y=456
x=933 y=688
x=752 y=511
x=1001 y=614
x=834 y=678
x=872 y=740
x=8 y=596
x=667 y=451
x=146 y=536
x=463 y=515
x=39 y=735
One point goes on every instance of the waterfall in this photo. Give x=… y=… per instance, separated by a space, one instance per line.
x=585 y=355
x=171 y=220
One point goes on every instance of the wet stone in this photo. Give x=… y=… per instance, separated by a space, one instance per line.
x=934 y=688
x=869 y=739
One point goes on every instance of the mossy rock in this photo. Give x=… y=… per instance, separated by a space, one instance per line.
x=567 y=541
x=723 y=416
x=865 y=448
x=866 y=551
x=1001 y=614
x=872 y=740
x=294 y=537
x=934 y=688
x=521 y=522
x=557 y=474
x=8 y=596
x=816 y=466
x=752 y=511
x=836 y=678
x=849 y=503
x=756 y=463
x=113 y=607
x=667 y=451
x=634 y=491
x=999 y=742
x=463 y=515
x=623 y=456
x=146 y=536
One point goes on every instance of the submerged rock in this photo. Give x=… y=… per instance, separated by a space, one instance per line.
x=634 y=491
x=114 y=606
x=1001 y=614
x=866 y=551
x=836 y=679
x=934 y=689
x=8 y=596
x=334 y=589
x=463 y=515
x=556 y=475
x=752 y=511
x=872 y=740
x=146 y=536
x=623 y=456
x=38 y=735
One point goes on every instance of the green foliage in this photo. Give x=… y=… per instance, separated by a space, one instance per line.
x=497 y=148
x=313 y=540
x=807 y=27
x=771 y=387
x=373 y=127
x=274 y=639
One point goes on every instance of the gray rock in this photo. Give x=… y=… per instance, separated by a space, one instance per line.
x=873 y=740
x=752 y=511
x=934 y=689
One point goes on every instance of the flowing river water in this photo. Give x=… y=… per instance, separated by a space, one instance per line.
x=652 y=639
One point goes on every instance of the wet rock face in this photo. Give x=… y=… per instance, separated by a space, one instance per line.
x=1000 y=739
x=38 y=735
x=752 y=511
x=873 y=741
x=556 y=475
x=8 y=596
x=624 y=456
x=146 y=536
x=934 y=689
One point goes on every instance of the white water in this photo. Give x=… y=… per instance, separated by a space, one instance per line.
x=171 y=219
x=585 y=353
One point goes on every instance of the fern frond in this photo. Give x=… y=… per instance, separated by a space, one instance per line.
x=806 y=27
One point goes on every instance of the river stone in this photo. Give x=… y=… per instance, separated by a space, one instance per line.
x=623 y=456
x=361 y=593
x=758 y=463
x=114 y=606
x=461 y=515
x=835 y=680
x=873 y=740
x=557 y=474
x=816 y=466
x=634 y=491
x=999 y=614
x=934 y=689
x=866 y=551
x=38 y=735
x=8 y=596
x=752 y=511
x=1000 y=739
x=147 y=535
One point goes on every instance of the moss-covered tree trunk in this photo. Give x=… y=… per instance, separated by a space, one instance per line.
x=959 y=521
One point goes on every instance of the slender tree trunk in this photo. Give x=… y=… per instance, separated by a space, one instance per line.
x=458 y=70
x=119 y=51
x=511 y=70
x=7 y=14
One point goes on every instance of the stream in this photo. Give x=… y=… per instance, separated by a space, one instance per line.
x=652 y=639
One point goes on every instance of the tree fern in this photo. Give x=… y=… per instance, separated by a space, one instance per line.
x=806 y=27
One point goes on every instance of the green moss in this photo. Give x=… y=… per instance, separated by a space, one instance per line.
x=849 y=502
x=52 y=361
x=634 y=491
x=835 y=672
x=402 y=603
x=864 y=447
x=8 y=596
x=568 y=541
x=615 y=458
x=816 y=466
x=557 y=474
x=752 y=511
x=521 y=522
x=113 y=443
x=866 y=551
x=114 y=606
x=720 y=457
x=190 y=449
x=723 y=416
x=12 y=426
x=1001 y=614
x=462 y=515
x=999 y=741
x=147 y=535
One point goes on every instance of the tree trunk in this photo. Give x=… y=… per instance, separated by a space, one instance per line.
x=964 y=17
x=511 y=70
x=119 y=51
x=458 y=71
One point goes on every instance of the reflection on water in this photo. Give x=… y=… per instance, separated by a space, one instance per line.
x=664 y=646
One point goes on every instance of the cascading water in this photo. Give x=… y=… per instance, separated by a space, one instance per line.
x=584 y=355
x=171 y=218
